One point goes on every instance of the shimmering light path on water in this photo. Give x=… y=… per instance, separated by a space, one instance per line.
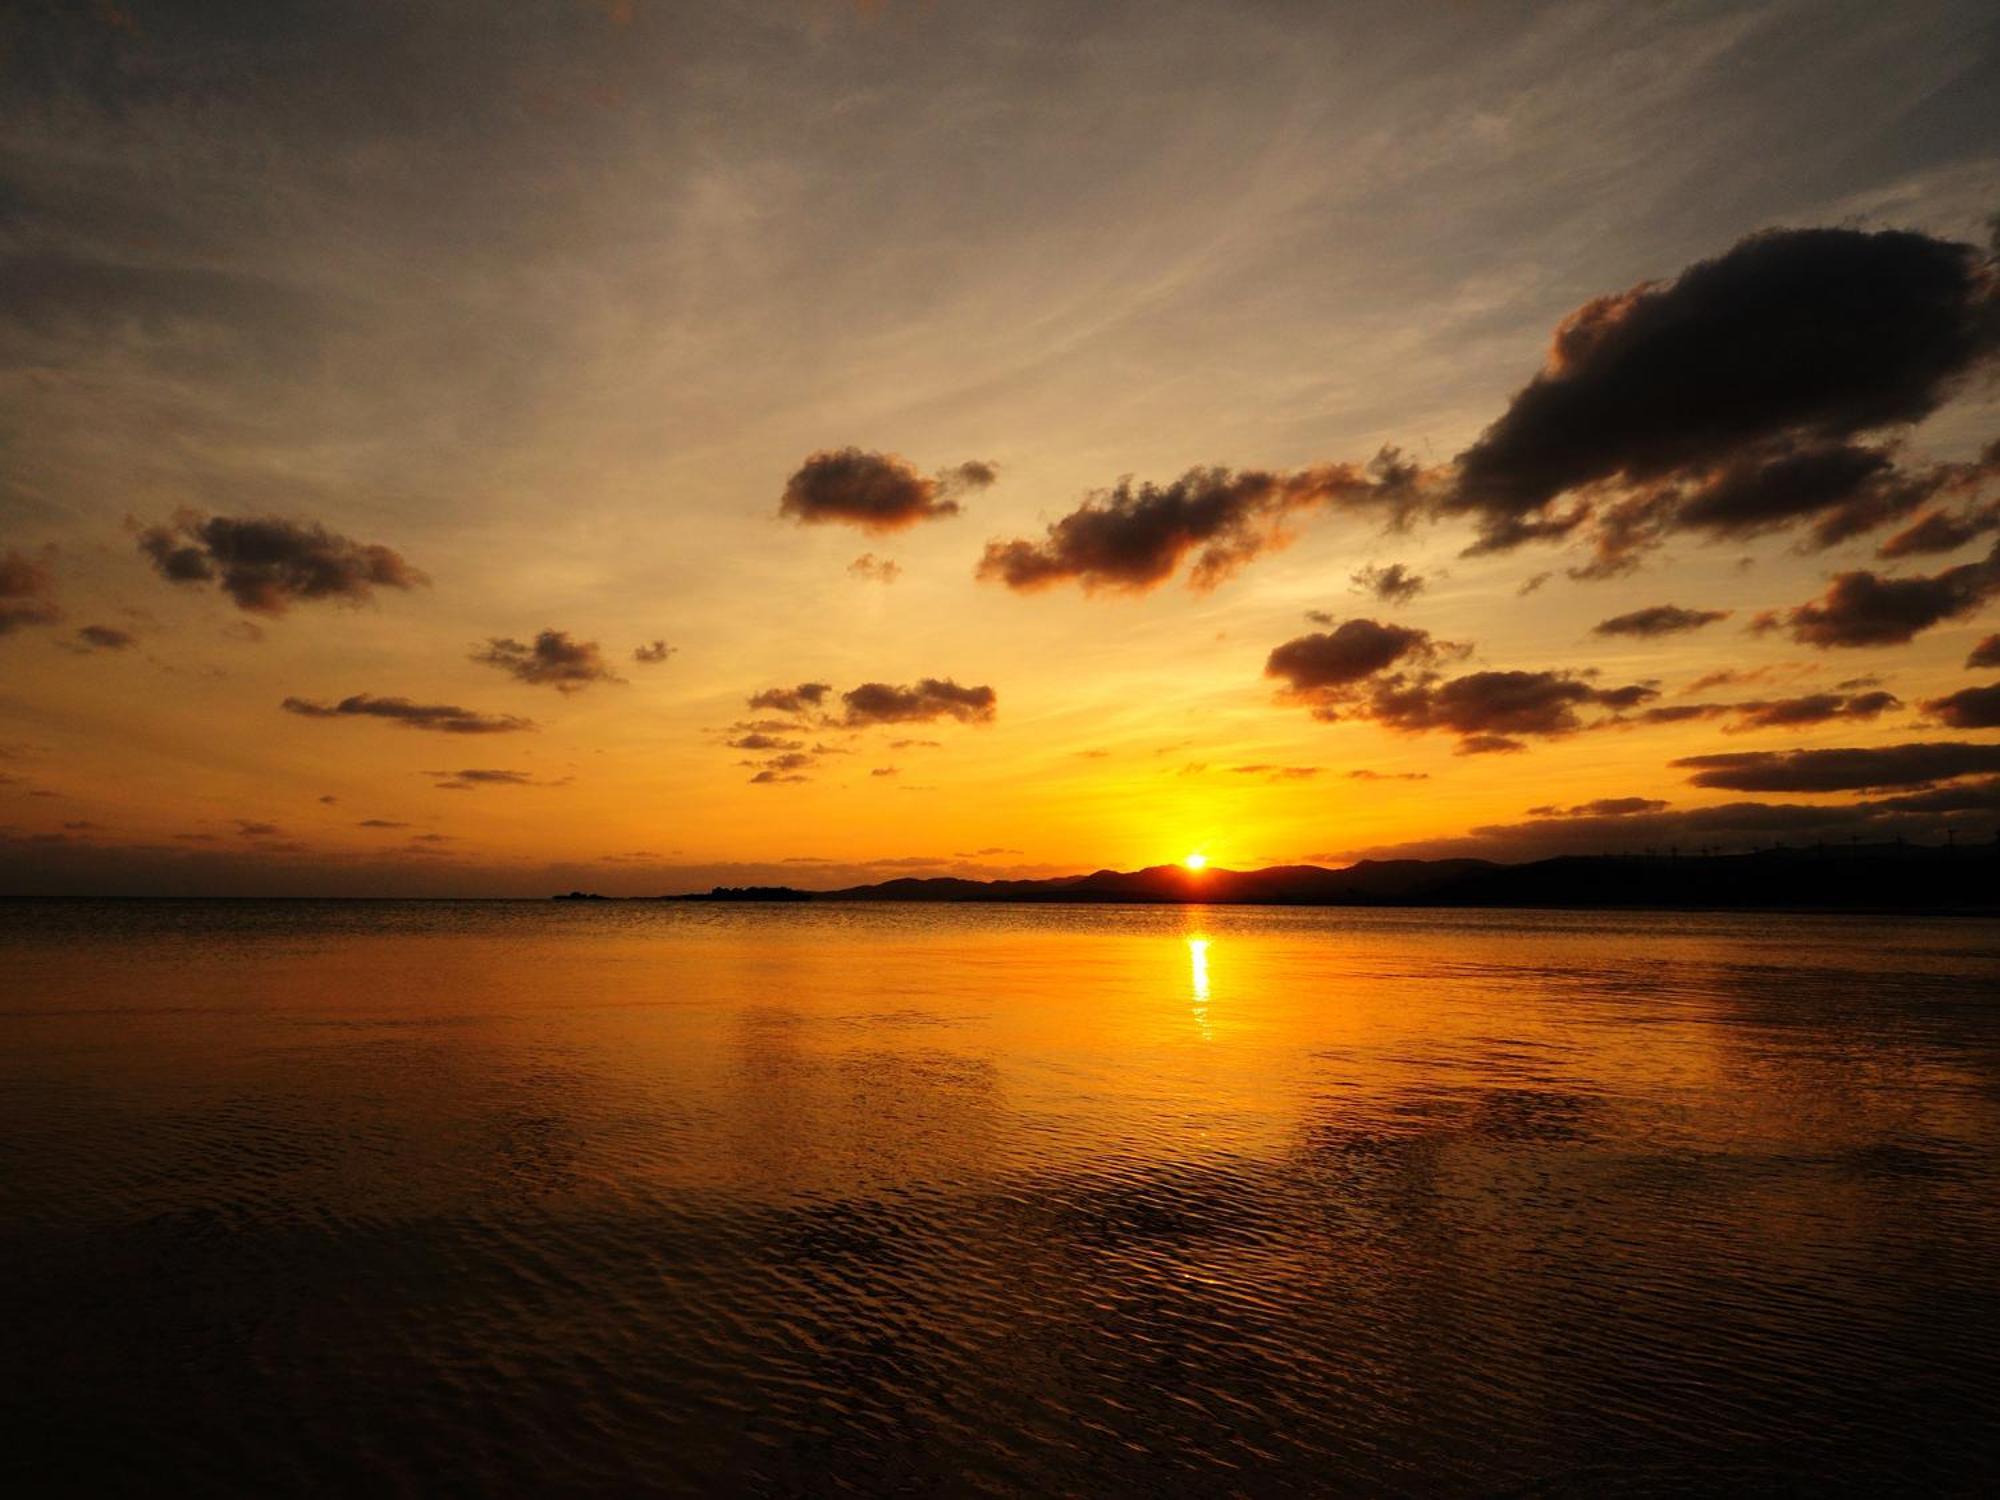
x=539 y=1198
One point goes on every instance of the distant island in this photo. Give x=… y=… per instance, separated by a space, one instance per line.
x=1873 y=877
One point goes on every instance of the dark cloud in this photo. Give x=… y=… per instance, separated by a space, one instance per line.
x=268 y=564
x=932 y=698
x=445 y=718
x=1364 y=774
x=1844 y=770
x=105 y=638
x=788 y=759
x=1680 y=713
x=1985 y=654
x=554 y=660
x=1761 y=491
x=1743 y=378
x=1970 y=708
x=1136 y=538
x=1745 y=676
x=783 y=768
x=1532 y=584
x=27 y=586
x=1810 y=709
x=255 y=830
x=918 y=745
x=1499 y=703
x=801 y=699
x=1863 y=608
x=1941 y=531
x=652 y=652
x=1313 y=666
x=1386 y=674
x=1603 y=807
x=885 y=771
x=1659 y=619
x=380 y=823
x=875 y=569
x=876 y=491
x=1930 y=816
x=1394 y=584
x=1276 y=773
x=472 y=780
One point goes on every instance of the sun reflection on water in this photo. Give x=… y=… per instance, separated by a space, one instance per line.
x=1198 y=970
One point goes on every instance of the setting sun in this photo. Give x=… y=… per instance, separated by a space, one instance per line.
x=1196 y=861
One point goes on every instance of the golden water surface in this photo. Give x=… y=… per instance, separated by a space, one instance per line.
x=550 y=1198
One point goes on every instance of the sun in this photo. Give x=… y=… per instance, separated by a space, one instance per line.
x=1196 y=861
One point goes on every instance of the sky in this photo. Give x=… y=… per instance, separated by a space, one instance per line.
x=635 y=446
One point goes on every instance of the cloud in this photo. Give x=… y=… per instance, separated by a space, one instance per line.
x=269 y=564
x=1940 y=531
x=1394 y=584
x=872 y=703
x=1843 y=770
x=1384 y=673
x=875 y=569
x=1313 y=665
x=380 y=823
x=1744 y=676
x=1602 y=807
x=1364 y=774
x=801 y=699
x=1276 y=773
x=1985 y=654
x=1659 y=619
x=104 y=638
x=1970 y=708
x=1810 y=709
x=444 y=718
x=26 y=588
x=554 y=660
x=885 y=771
x=652 y=652
x=1134 y=539
x=1863 y=608
x=932 y=698
x=1498 y=703
x=878 y=492
x=1967 y=808
x=1742 y=379
x=472 y=780
x=916 y=744
x=782 y=768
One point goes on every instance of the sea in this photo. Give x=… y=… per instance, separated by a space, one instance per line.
x=628 y=1198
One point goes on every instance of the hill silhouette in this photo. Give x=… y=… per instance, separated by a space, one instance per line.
x=1877 y=877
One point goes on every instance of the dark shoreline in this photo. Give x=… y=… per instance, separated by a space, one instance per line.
x=1896 y=878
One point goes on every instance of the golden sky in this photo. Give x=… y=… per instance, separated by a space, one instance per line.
x=1057 y=386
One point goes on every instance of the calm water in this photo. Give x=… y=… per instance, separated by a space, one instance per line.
x=533 y=1198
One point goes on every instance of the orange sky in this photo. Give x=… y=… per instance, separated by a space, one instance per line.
x=557 y=310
